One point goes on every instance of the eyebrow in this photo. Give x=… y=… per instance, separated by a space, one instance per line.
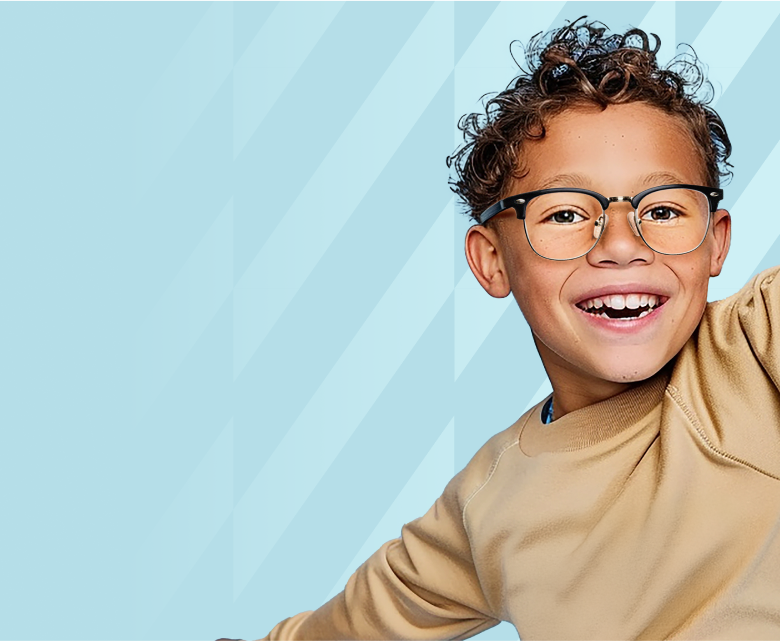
x=655 y=179
x=566 y=180
x=659 y=178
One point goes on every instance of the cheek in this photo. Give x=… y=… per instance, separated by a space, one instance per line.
x=698 y=279
x=538 y=296
x=694 y=278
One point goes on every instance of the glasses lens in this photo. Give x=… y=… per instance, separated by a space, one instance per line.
x=673 y=221
x=563 y=225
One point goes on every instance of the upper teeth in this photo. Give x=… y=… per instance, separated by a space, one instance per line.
x=621 y=301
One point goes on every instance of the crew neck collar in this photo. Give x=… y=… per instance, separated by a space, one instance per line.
x=595 y=423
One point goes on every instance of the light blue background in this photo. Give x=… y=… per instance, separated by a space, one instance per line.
x=241 y=346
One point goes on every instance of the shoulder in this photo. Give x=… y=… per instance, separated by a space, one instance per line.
x=744 y=321
x=443 y=526
x=727 y=377
x=747 y=311
x=483 y=466
x=468 y=483
x=761 y=293
x=758 y=303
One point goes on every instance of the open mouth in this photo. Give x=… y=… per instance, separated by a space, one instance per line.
x=623 y=307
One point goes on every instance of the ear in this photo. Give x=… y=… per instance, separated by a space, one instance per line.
x=721 y=232
x=486 y=262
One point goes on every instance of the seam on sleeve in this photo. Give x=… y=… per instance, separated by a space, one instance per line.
x=493 y=468
x=674 y=393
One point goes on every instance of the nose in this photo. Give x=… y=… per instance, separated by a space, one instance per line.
x=619 y=243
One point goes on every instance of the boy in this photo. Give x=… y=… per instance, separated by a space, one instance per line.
x=643 y=498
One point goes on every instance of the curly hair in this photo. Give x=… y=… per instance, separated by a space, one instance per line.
x=574 y=66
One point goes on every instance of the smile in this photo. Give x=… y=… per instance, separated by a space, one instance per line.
x=623 y=307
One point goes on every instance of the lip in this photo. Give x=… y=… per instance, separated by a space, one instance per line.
x=623 y=327
x=615 y=326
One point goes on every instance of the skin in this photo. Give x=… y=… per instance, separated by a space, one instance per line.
x=619 y=151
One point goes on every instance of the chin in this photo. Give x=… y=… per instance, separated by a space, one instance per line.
x=628 y=370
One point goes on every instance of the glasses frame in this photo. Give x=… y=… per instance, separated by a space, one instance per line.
x=518 y=202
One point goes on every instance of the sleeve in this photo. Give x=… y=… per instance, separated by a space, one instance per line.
x=728 y=376
x=759 y=315
x=423 y=585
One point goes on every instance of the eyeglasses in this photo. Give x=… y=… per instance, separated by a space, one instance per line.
x=566 y=223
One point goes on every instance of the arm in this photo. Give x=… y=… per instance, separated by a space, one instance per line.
x=733 y=380
x=421 y=586
x=759 y=315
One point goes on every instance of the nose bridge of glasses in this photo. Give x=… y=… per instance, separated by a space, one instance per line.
x=618 y=199
x=601 y=225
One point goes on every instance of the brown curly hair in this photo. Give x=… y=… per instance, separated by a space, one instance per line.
x=574 y=66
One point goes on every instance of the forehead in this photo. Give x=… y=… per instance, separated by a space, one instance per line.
x=618 y=151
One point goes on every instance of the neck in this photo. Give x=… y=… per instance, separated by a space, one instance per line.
x=574 y=389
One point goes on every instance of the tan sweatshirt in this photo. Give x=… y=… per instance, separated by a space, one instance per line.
x=654 y=514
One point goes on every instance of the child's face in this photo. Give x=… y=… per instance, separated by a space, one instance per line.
x=617 y=152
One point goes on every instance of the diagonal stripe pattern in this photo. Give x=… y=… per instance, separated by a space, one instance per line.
x=490 y=354
x=167 y=157
x=417 y=496
x=264 y=290
x=188 y=526
x=186 y=308
x=743 y=30
x=271 y=60
x=182 y=93
x=338 y=406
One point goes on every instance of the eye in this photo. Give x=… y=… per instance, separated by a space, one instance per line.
x=565 y=217
x=660 y=214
